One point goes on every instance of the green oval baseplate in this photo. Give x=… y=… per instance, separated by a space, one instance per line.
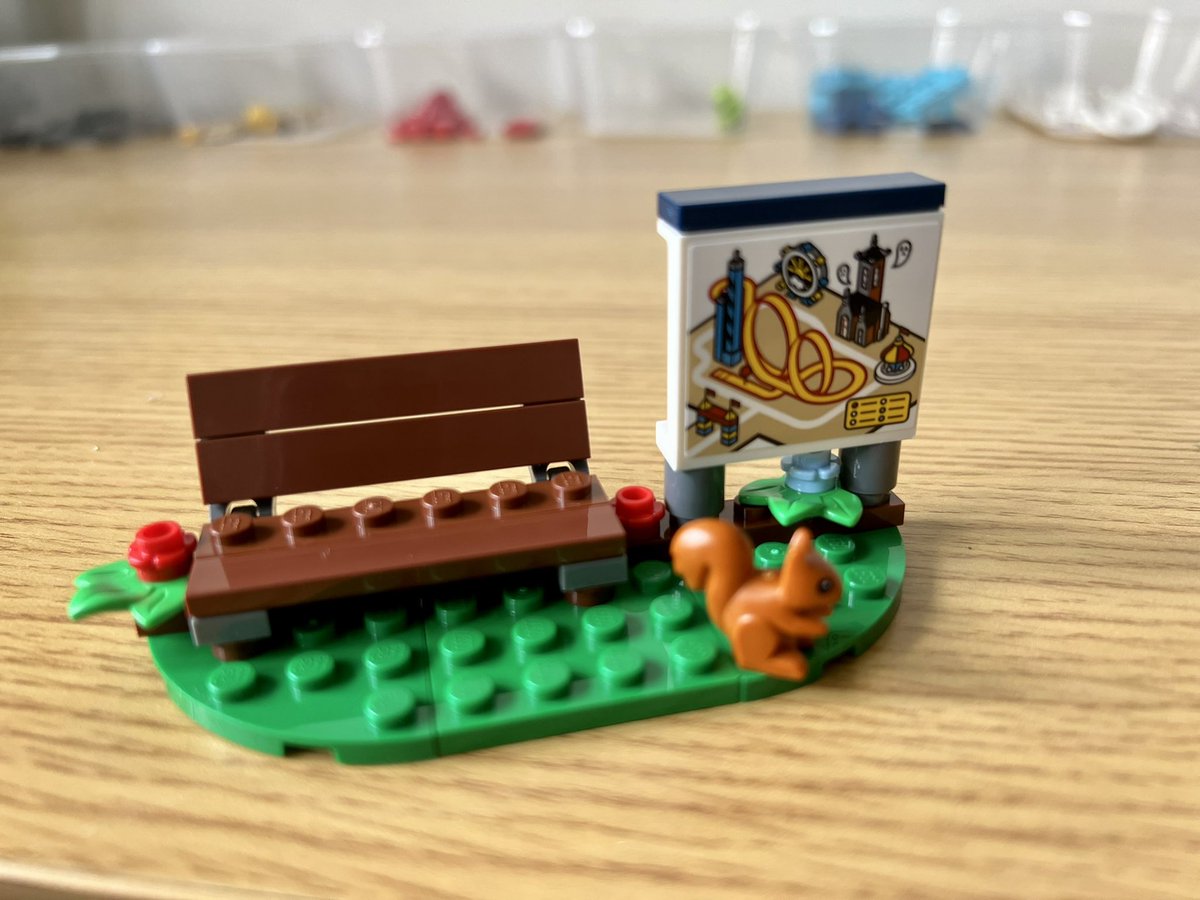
x=400 y=684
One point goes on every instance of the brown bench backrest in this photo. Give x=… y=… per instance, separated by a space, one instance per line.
x=321 y=426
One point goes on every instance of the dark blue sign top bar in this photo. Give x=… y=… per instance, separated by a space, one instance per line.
x=710 y=209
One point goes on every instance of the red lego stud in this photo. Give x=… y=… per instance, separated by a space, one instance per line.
x=162 y=551
x=638 y=511
x=523 y=129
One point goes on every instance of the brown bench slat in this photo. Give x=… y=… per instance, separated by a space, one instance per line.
x=293 y=462
x=248 y=401
x=264 y=570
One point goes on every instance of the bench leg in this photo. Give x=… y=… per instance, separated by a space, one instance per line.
x=543 y=472
x=593 y=573
x=263 y=506
x=585 y=597
x=229 y=629
x=241 y=650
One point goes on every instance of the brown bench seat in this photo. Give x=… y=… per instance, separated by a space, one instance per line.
x=245 y=563
x=261 y=433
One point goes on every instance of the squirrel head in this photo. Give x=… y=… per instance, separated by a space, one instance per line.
x=809 y=581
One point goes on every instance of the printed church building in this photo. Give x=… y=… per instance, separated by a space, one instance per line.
x=864 y=316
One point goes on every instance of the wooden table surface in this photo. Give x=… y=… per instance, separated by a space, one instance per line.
x=1028 y=727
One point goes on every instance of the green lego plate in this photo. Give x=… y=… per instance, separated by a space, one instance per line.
x=469 y=672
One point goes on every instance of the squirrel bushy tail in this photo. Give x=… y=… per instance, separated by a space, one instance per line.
x=713 y=556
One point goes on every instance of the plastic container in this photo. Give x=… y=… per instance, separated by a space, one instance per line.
x=220 y=92
x=1183 y=98
x=669 y=81
x=408 y=75
x=523 y=81
x=937 y=75
x=1108 y=76
x=57 y=95
x=446 y=89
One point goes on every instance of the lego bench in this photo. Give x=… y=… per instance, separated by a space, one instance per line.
x=263 y=433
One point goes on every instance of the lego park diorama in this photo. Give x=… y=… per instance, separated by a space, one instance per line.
x=404 y=628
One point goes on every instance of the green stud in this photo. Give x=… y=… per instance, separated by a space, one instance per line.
x=310 y=671
x=231 y=681
x=620 y=667
x=387 y=659
x=547 y=679
x=470 y=693
x=390 y=707
x=521 y=601
x=534 y=635
x=692 y=654
x=837 y=548
x=864 y=582
x=769 y=555
x=670 y=613
x=653 y=577
x=382 y=623
x=462 y=646
x=602 y=624
x=313 y=633
x=455 y=612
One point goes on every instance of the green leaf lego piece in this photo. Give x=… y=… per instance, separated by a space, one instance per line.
x=842 y=507
x=106 y=588
x=789 y=506
x=789 y=511
x=165 y=602
x=116 y=586
x=507 y=667
x=757 y=493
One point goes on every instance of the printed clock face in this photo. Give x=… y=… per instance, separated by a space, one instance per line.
x=804 y=271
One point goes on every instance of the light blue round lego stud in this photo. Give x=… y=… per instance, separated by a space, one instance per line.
x=811 y=473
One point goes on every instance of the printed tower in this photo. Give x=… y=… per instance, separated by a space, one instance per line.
x=864 y=316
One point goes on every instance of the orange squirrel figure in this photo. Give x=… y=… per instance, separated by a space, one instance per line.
x=769 y=617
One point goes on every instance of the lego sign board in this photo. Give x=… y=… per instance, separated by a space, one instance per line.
x=798 y=315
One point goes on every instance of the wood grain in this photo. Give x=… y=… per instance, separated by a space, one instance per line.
x=1028 y=727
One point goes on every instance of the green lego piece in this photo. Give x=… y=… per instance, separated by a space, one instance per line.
x=363 y=693
x=790 y=506
x=404 y=681
x=871 y=564
x=526 y=668
x=729 y=107
x=116 y=586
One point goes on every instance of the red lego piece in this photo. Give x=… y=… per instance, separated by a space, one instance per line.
x=162 y=551
x=523 y=129
x=437 y=118
x=639 y=512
